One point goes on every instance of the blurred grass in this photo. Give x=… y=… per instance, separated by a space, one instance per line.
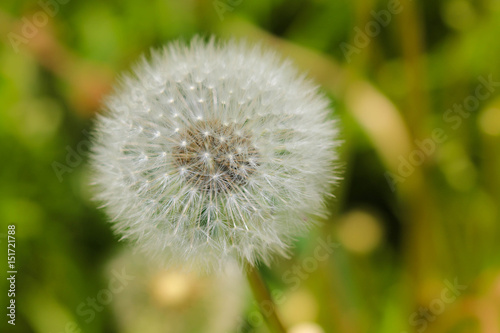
x=442 y=223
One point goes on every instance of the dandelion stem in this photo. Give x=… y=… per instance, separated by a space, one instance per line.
x=263 y=298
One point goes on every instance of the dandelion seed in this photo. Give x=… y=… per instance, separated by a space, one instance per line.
x=242 y=171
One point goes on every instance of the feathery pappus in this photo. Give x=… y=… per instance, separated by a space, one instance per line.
x=214 y=149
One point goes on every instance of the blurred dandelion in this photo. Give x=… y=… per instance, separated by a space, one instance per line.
x=175 y=301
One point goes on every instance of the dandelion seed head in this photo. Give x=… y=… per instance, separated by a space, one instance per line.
x=214 y=150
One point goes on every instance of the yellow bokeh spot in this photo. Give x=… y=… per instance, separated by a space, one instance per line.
x=307 y=328
x=360 y=231
x=172 y=288
x=299 y=307
x=489 y=121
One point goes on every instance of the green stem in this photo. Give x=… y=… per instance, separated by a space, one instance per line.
x=263 y=298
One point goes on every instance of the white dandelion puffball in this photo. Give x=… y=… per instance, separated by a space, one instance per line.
x=214 y=150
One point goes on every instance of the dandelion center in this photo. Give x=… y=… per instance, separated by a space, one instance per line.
x=216 y=157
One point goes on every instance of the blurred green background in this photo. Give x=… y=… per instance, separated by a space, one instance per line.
x=415 y=225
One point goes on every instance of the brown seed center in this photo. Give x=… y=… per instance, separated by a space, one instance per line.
x=214 y=156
